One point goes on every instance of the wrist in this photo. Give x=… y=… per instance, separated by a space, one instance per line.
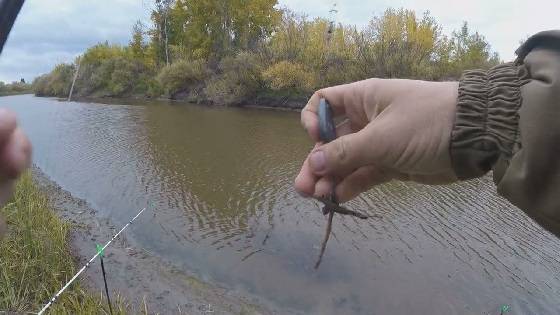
x=485 y=126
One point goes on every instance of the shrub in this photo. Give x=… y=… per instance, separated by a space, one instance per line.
x=182 y=76
x=289 y=76
x=61 y=79
x=56 y=83
x=39 y=85
x=128 y=76
x=119 y=75
x=238 y=80
x=101 y=52
x=154 y=89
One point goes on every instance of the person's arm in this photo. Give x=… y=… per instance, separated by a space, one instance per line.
x=508 y=120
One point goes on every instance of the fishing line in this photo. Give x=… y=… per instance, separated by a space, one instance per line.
x=53 y=299
x=105 y=278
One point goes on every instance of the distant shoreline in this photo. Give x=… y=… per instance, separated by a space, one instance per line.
x=15 y=93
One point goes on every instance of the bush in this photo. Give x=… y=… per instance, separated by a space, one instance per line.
x=183 y=76
x=128 y=76
x=238 y=80
x=116 y=76
x=61 y=79
x=101 y=52
x=39 y=85
x=289 y=76
x=154 y=89
x=56 y=83
x=112 y=75
x=221 y=91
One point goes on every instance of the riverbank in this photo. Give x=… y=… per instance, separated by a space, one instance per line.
x=36 y=258
x=141 y=278
x=293 y=106
x=51 y=233
x=9 y=93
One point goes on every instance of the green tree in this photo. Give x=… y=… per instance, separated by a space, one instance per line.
x=160 y=34
x=403 y=44
x=214 y=28
x=137 y=45
x=471 y=50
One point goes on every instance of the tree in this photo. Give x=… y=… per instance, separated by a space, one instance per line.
x=403 y=44
x=471 y=50
x=213 y=29
x=229 y=52
x=160 y=32
x=137 y=46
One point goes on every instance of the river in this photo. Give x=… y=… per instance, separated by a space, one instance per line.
x=218 y=182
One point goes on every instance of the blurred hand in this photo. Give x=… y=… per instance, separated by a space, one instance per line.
x=391 y=129
x=15 y=156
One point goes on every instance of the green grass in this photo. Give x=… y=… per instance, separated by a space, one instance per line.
x=35 y=259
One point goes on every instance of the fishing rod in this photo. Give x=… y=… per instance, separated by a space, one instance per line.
x=9 y=10
x=99 y=252
x=333 y=12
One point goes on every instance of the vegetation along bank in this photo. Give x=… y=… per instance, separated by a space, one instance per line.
x=237 y=53
x=36 y=259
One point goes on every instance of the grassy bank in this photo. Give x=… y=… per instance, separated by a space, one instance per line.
x=35 y=258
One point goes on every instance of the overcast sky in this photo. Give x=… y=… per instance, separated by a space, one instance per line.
x=48 y=32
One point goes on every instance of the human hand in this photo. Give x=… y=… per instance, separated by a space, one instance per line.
x=15 y=156
x=392 y=129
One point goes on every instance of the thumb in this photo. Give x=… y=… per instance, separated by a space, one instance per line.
x=345 y=154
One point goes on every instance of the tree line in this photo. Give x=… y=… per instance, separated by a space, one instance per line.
x=250 y=51
x=16 y=87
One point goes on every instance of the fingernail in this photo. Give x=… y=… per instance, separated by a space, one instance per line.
x=318 y=161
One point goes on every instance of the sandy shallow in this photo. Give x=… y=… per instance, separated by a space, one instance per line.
x=135 y=273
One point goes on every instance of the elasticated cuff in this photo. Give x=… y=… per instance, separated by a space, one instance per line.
x=486 y=123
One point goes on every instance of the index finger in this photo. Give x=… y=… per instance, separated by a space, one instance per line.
x=309 y=117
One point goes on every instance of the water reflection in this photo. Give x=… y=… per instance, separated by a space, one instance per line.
x=221 y=183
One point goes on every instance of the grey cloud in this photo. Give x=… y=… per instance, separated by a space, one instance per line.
x=54 y=31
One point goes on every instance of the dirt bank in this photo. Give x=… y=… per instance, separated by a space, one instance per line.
x=269 y=103
x=134 y=272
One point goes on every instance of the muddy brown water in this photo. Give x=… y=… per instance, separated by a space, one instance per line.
x=220 y=184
